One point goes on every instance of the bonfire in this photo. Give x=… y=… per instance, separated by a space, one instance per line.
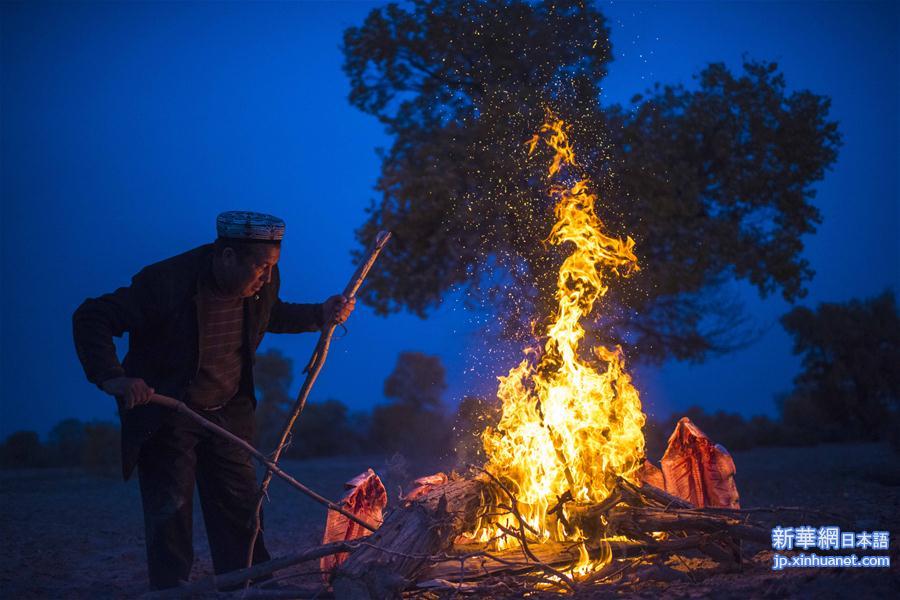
x=566 y=492
x=566 y=497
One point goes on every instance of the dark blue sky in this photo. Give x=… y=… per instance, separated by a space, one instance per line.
x=127 y=127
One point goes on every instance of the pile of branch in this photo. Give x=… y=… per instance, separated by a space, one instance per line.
x=655 y=523
x=415 y=550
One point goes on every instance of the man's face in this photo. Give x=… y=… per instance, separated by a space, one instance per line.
x=245 y=276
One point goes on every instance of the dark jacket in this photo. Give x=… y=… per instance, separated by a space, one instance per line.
x=160 y=313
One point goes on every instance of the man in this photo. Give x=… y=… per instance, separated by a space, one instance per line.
x=194 y=323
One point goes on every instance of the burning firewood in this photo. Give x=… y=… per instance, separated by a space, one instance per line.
x=427 y=538
x=416 y=541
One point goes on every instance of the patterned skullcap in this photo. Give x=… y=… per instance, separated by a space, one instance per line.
x=249 y=226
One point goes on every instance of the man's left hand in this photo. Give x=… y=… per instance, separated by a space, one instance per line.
x=338 y=309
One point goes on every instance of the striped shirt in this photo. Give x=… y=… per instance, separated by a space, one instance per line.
x=221 y=351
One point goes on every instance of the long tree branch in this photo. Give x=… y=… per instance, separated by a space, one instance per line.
x=260 y=570
x=182 y=408
x=317 y=361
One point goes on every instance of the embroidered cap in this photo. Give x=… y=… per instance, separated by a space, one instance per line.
x=249 y=226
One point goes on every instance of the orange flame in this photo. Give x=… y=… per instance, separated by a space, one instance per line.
x=569 y=423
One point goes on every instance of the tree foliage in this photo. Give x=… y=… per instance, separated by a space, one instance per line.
x=731 y=430
x=102 y=449
x=21 y=450
x=849 y=387
x=95 y=446
x=414 y=423
x=324 y=429
x=418 y=380
x=67 y=442
x=712 y=182
x=272 y=375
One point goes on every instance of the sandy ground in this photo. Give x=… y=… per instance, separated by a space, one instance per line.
x=67 y=534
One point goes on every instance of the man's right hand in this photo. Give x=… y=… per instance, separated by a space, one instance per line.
x=133 y=391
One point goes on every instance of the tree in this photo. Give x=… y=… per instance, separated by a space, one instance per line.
x=66 y=443
x=324 y=430
x=272 y=375
x=102 y=444
x=417 y=380
x=731 y=430
x=849 y=387
x=414 y=423
x=712 y=183
x=21 y=450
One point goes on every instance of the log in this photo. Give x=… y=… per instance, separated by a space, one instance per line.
x=474 y=563
x=286 y=593
x=409 y=540
x=656 y=495
x=234 y=578
x=632 y=521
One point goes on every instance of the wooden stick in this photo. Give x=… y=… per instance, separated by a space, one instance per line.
x=319 y=593
x=183 y=408
x=258 y=570
x=661 y=496
x=514 y=509
x=555 y=554
x=312 y=372
x=630 y=521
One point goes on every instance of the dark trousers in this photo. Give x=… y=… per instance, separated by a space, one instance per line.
x=180 y=453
